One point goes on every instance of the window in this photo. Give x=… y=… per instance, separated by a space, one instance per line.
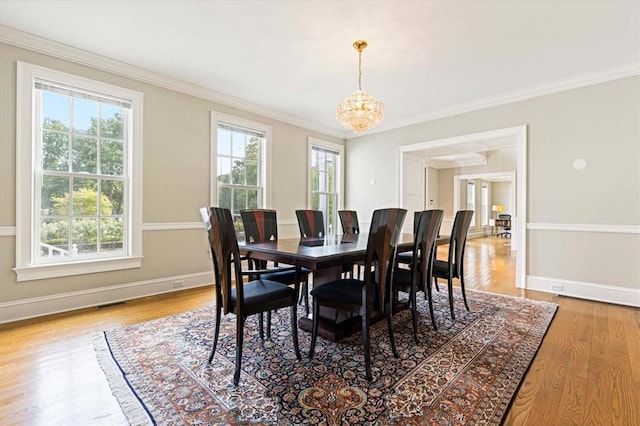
x=240 y=165
x=485 y=205
x=79 y=142
x=325 y=181
x=471 y=200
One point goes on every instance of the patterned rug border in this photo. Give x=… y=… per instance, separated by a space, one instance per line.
x=138 y=414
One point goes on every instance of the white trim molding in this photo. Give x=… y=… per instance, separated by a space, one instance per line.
x=584 y=227
x=56 y=303
x=171 y=226
x=583 y=290
x=7 y=231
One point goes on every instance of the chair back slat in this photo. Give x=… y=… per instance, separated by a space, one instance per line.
x=225 y=254
x=260 y=225
x=349 y=221
x=311 y=223
x=386 y=225
x=458 y=240
x=427 y=225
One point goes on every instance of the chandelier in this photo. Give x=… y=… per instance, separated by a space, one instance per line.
x=360 y=111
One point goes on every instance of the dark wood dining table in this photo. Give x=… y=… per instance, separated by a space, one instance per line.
x=326 y=258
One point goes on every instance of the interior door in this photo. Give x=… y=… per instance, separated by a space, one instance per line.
x=413 y=187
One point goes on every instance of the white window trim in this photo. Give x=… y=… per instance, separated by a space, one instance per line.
x=218 y=117
x=26 y=269
x=340 y=172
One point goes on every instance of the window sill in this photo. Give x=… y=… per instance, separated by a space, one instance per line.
x=39 y=272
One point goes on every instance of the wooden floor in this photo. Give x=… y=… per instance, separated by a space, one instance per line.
x=587 y=371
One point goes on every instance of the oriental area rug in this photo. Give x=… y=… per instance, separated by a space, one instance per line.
x=465 y=373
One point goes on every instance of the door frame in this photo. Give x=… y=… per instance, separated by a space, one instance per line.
x=519 y=222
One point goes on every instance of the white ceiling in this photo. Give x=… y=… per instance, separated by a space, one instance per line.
x=296 y=58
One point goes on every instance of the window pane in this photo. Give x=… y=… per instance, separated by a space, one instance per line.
x=54 y=237
x=85 y=156
x=54 y=196
x=253 y=149
x=85 y=198
x=239 y=200
x=224 y=142
x=224 y=170
x=237 y=172
x=224 y=197
x=252 y=173
x=111 y=234
x=252 y=198
x=84 y=235
x=111 y=158
x=113 y=191
x=84 y=116
x=55 y=111
x=111 y=121
x=55 y=151
x=238 y=144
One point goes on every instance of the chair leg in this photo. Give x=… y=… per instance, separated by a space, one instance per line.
x=464 y=295
x=435 y=281
x=414 y=314
x=268 y=324
x=392 y=338
x=239 y=340
x=450 y=287
x=217 y=329
x=261 y=326
x=294 y=330
x=367 y=344
x=314 y=327
x=427 y=292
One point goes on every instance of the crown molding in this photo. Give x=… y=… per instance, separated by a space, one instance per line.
x=575 y=82
x=82 y=57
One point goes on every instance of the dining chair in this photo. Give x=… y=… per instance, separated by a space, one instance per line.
x=453 y=267
x=364 y=297
x=261 y=225
x=350 y=226
x=311 y=223
x=418 y=276
x=235 y=296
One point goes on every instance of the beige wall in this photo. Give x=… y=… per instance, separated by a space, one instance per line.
x=599 y=123
x=175 y=176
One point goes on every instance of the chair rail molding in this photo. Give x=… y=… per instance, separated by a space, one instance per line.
x=7 y=231
x=584 y=227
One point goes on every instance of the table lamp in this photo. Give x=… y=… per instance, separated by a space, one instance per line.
x=497 y=208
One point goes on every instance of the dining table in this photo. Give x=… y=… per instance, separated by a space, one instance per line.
x=326 y=258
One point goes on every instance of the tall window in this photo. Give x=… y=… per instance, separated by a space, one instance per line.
x=326 y=181
x=485 y=204
x=471 y=200
x=82 y=155
x=240 y=165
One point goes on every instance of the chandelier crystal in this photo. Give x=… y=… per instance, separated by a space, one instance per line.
x=360 y=111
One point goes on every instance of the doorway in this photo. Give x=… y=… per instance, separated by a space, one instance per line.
x=511 y=136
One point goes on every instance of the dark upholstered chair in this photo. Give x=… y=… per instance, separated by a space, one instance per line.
x=349 y=221
x=261 y=225
x=418 y=277
x=235 y=296
x=506 y=230
x=364 y=297
x=311 y=223
x=453 y=267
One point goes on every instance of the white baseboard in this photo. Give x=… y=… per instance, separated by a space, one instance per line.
x=47 y=305
x=591 y=291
